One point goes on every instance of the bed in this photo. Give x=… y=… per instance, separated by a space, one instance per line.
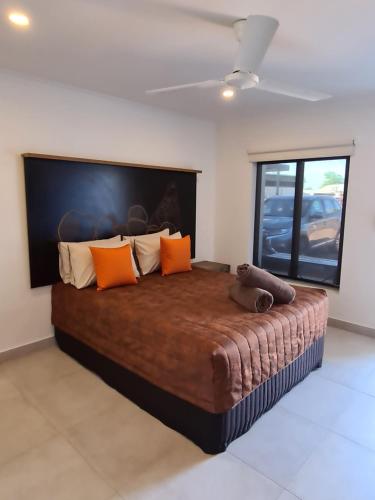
x=182 y=350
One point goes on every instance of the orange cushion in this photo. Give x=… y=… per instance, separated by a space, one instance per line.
x=113 y=267
x=175 y=255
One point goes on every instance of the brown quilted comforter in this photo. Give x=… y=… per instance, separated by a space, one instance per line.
x=183 y=334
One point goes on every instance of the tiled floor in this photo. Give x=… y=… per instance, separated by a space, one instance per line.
x=64 y=434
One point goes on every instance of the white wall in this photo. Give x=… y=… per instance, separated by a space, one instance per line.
x=325 y=123
x=50 y=118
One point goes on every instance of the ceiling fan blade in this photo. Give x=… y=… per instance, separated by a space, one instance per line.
x=218 y=18
x=203 y=85
x=291 y=91
x=256 y=36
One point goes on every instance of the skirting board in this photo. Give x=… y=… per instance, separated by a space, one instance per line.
x=16 y=352
x=352 y=327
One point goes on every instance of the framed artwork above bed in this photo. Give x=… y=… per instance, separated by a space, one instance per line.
x=76 y=199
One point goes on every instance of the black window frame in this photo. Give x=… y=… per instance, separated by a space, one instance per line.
x=298 y=197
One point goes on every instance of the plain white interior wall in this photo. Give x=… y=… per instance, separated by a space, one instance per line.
x=55 y=119
x=319 y=124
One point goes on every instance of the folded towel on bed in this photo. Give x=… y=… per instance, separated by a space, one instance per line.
x=253 y=299
x=252 y=276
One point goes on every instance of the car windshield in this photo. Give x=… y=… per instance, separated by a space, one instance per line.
x=282 y=207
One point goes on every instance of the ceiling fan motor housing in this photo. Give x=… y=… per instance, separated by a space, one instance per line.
x=242 y=80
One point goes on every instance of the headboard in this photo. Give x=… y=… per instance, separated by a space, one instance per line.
x=77 y=199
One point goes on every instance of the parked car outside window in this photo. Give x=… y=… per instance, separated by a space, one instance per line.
x=320 y=224
x=300 y=215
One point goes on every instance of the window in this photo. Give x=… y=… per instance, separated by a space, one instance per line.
x=299 y=218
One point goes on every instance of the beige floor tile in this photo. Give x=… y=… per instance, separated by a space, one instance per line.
x=319 y=400
x=337 y=470
x=278 y=444
x=133 y=456
x=216 y=478
x=21 y=427
x=365 y=384
x=55 y=471
x=126 y=447
x=349 y=359
x=75 y=397
x=39 y=369
x=286 y=495
x=7 y=390
x=358 y=421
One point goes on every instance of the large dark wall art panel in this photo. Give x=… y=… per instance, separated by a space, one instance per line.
x=76 y=200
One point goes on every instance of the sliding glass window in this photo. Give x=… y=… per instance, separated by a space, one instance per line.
x=299 y=218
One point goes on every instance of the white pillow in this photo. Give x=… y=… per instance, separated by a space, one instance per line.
x=164 y=232
x=64 y=258
x=148 y=252
x=83 y=272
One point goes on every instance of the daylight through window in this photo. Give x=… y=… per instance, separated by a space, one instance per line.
x=299 y=222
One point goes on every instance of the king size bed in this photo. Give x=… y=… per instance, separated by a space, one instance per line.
x=176 y=345
x=180 y=349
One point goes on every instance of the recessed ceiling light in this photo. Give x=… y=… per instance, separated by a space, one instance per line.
x=19 y=19
x=228 y=93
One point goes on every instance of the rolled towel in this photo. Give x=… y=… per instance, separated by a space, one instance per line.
x=252 y=276
x=253 y=299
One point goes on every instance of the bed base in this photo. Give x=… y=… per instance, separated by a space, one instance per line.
x=211 y=432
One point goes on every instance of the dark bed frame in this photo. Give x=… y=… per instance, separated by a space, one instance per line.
x=211 y=432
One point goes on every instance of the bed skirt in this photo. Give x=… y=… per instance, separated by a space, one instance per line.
x=211 y=432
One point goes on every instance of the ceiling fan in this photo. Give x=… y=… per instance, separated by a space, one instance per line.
x=255 y=34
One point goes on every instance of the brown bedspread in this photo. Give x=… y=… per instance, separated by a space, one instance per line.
x=183 y=334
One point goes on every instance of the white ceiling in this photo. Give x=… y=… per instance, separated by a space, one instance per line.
x=123 y=47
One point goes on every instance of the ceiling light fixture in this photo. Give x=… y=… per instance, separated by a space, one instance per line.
x=228 y=93
x=19 y=19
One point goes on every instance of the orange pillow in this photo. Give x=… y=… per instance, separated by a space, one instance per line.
x=175 y=255
x=113 y=267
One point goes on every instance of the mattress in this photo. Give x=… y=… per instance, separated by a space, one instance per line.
x=183 y=334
